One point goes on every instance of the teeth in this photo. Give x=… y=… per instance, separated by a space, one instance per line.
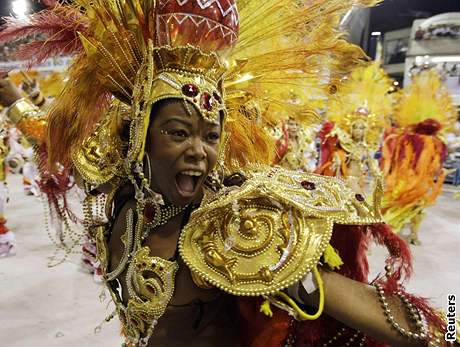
x=191 y=173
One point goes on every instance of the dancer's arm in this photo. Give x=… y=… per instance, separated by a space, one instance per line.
x=357 y=305
x=23 y=113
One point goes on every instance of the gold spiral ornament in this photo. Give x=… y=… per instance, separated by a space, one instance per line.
x=264 y=236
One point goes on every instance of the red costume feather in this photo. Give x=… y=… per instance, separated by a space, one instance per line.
x=55 y=185
x=59 y=26
x=327 y=146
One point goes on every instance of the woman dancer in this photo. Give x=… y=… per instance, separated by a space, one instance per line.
x=199 y=232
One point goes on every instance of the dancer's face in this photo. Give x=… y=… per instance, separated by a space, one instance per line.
x=358 y=131
x=183 y=149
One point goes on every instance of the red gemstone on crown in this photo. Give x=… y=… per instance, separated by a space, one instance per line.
x=359 y=197
x=190 y=90
x=308 y=185
x=206 y=102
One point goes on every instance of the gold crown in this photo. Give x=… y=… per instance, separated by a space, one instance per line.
x=189 y=59
x=184 y=73
x=188 y=73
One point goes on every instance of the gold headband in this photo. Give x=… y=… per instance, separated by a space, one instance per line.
x=184 y=73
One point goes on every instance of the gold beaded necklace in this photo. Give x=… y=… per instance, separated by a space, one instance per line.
x=156 y=215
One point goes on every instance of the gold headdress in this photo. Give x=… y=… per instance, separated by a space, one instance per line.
x=131 y=53
x=426 y=98
x=199 y=51
x=363 y=97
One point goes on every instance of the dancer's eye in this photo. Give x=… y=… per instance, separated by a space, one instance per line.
x=213 y=137
x=177 y=134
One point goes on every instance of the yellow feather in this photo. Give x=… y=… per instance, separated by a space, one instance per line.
x=426 y=98
x=282 y=46
x=368 y=87
x=332 y=258
x=266 y=309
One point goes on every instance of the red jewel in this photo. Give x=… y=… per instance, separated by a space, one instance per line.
x=217 y=97
x=206 y=101
x=359 y=197
x=149 y=213
x=190 y=90
x=308 y=185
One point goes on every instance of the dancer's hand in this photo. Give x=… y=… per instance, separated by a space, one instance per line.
x=9 y=93
x=30 y=86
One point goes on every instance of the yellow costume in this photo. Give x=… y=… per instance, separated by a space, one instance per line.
x=254 y=238
x=414 y=152
x=6 y=235
x=359 y=112
x=295 y=146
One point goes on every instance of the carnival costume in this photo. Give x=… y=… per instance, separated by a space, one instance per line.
x=296 y=137
x=6 y=235
x=40 y=89
x=414 y=151
x=361 y=104
x=253 y=239
x=296 y=148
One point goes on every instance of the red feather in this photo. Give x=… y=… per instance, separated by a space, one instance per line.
x=427 y=127
x=55 y=185
x=282 y=145
x=418 y=145
x=328 y=144
x=400 y=258
x=351 y=242
x=59 y=25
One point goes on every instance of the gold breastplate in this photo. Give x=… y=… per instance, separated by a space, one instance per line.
x=264 y=236
x=252 y=240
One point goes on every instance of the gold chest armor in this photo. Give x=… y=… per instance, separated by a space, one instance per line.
x=253 y=240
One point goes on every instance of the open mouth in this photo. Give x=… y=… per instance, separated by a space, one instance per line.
x=187 y=182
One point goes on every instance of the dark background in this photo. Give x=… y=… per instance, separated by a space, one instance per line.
x=398 y=14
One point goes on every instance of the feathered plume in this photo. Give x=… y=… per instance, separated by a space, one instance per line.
x=285 y=52
x=367 y=87
x=426 y=98
x=55 y=28
x=282 y=45
x=413 y=154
